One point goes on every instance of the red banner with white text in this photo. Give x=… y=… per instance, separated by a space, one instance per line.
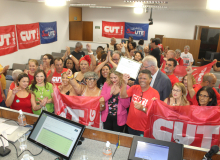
x=28 y=35
x=191 y=125
x=83 y=110
x=8 y=43
x=113 y=29
x=180 y=71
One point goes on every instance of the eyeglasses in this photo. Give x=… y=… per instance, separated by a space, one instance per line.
x=145 y=67
x=45 y=58
x=176 y=90
x=204 y=96
x=90 y=79
x=115 y=59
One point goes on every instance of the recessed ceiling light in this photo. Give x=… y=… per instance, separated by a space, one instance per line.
x=213 y=5
x=82 y=4
x=55 y=3
x=99 y=7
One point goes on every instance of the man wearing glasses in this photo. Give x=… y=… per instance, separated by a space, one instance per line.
x=141 y=98
x=168 y=70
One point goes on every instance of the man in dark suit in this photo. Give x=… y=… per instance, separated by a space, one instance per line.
x=159 y=81
x=156 y=51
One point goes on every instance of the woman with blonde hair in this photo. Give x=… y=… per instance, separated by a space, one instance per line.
x=115 y=114
x=33 y=65
x=178 y=96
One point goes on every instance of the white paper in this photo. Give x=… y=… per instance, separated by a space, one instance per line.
x=128 y=66
x=4 y=127
x=11 y=129
x=2 y=120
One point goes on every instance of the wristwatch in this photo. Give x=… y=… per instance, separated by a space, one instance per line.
x=102 y=105
x=70 y=55
x=144 y=109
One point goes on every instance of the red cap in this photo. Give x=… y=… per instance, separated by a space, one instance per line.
x=86 y=58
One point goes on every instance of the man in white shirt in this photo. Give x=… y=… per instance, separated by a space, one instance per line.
x=186 y=56
x=111 y=46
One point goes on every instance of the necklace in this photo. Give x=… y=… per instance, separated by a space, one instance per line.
x=41 y=93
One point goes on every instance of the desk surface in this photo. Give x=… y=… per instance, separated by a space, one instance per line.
x=92 y=148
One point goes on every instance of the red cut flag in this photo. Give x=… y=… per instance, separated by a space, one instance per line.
x=191 y=125
x=28 y=35
x=83 y=110
x=180 y=71
x=113 y=29
x=8 y=42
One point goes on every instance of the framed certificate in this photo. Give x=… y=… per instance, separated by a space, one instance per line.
x=128 y=66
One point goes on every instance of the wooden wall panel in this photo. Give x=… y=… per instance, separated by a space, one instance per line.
x=76 y=31
x=87 y=31
x=174 y=44
x=218 y=48
x=75 y=12
x=159 y=36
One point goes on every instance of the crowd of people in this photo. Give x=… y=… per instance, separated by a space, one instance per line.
x=123 y=101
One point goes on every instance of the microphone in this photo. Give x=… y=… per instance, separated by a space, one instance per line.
x=4 y=151
x=208 y=156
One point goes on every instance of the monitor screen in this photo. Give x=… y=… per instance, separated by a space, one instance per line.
x=56 y=134
x=151 y=151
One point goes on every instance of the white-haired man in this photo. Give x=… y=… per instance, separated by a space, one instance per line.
x=187 y=57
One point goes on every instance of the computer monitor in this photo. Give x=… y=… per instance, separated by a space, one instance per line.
x=152 y=149
x=56 y=134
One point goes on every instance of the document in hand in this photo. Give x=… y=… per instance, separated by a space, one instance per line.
x=128 y=66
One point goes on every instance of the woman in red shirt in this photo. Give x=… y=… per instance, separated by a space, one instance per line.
x=33 y=65
x=178 y=58
x=21 y=98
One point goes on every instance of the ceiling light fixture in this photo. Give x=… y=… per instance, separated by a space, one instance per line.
x=150 y=2
x=138 y=10
x=99 y=7
x=82 y=4
x=55 y=3
x=213 y=5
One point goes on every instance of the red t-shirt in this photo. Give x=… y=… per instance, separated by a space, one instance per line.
x=180 y=61
x=22 y=103
x=173 y=79
x=31 y=78
x=12 y=86
x=161 y=59
x=138 y=119
x=56 y=78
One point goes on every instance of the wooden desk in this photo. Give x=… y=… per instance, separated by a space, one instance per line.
x=194 y=153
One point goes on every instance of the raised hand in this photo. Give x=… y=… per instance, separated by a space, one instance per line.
x=52 y=68
x=88 y=46
x=16 y=90
x=69 y=73
x=189 y=70
x=41 y=67
x=126 y=77
x=215 y=60
x=68 y=50
x=26 y=71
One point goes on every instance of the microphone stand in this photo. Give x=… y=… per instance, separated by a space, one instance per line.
x=4 y=151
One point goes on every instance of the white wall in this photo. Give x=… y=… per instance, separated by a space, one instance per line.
x=12 y=12
x=172 y=24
